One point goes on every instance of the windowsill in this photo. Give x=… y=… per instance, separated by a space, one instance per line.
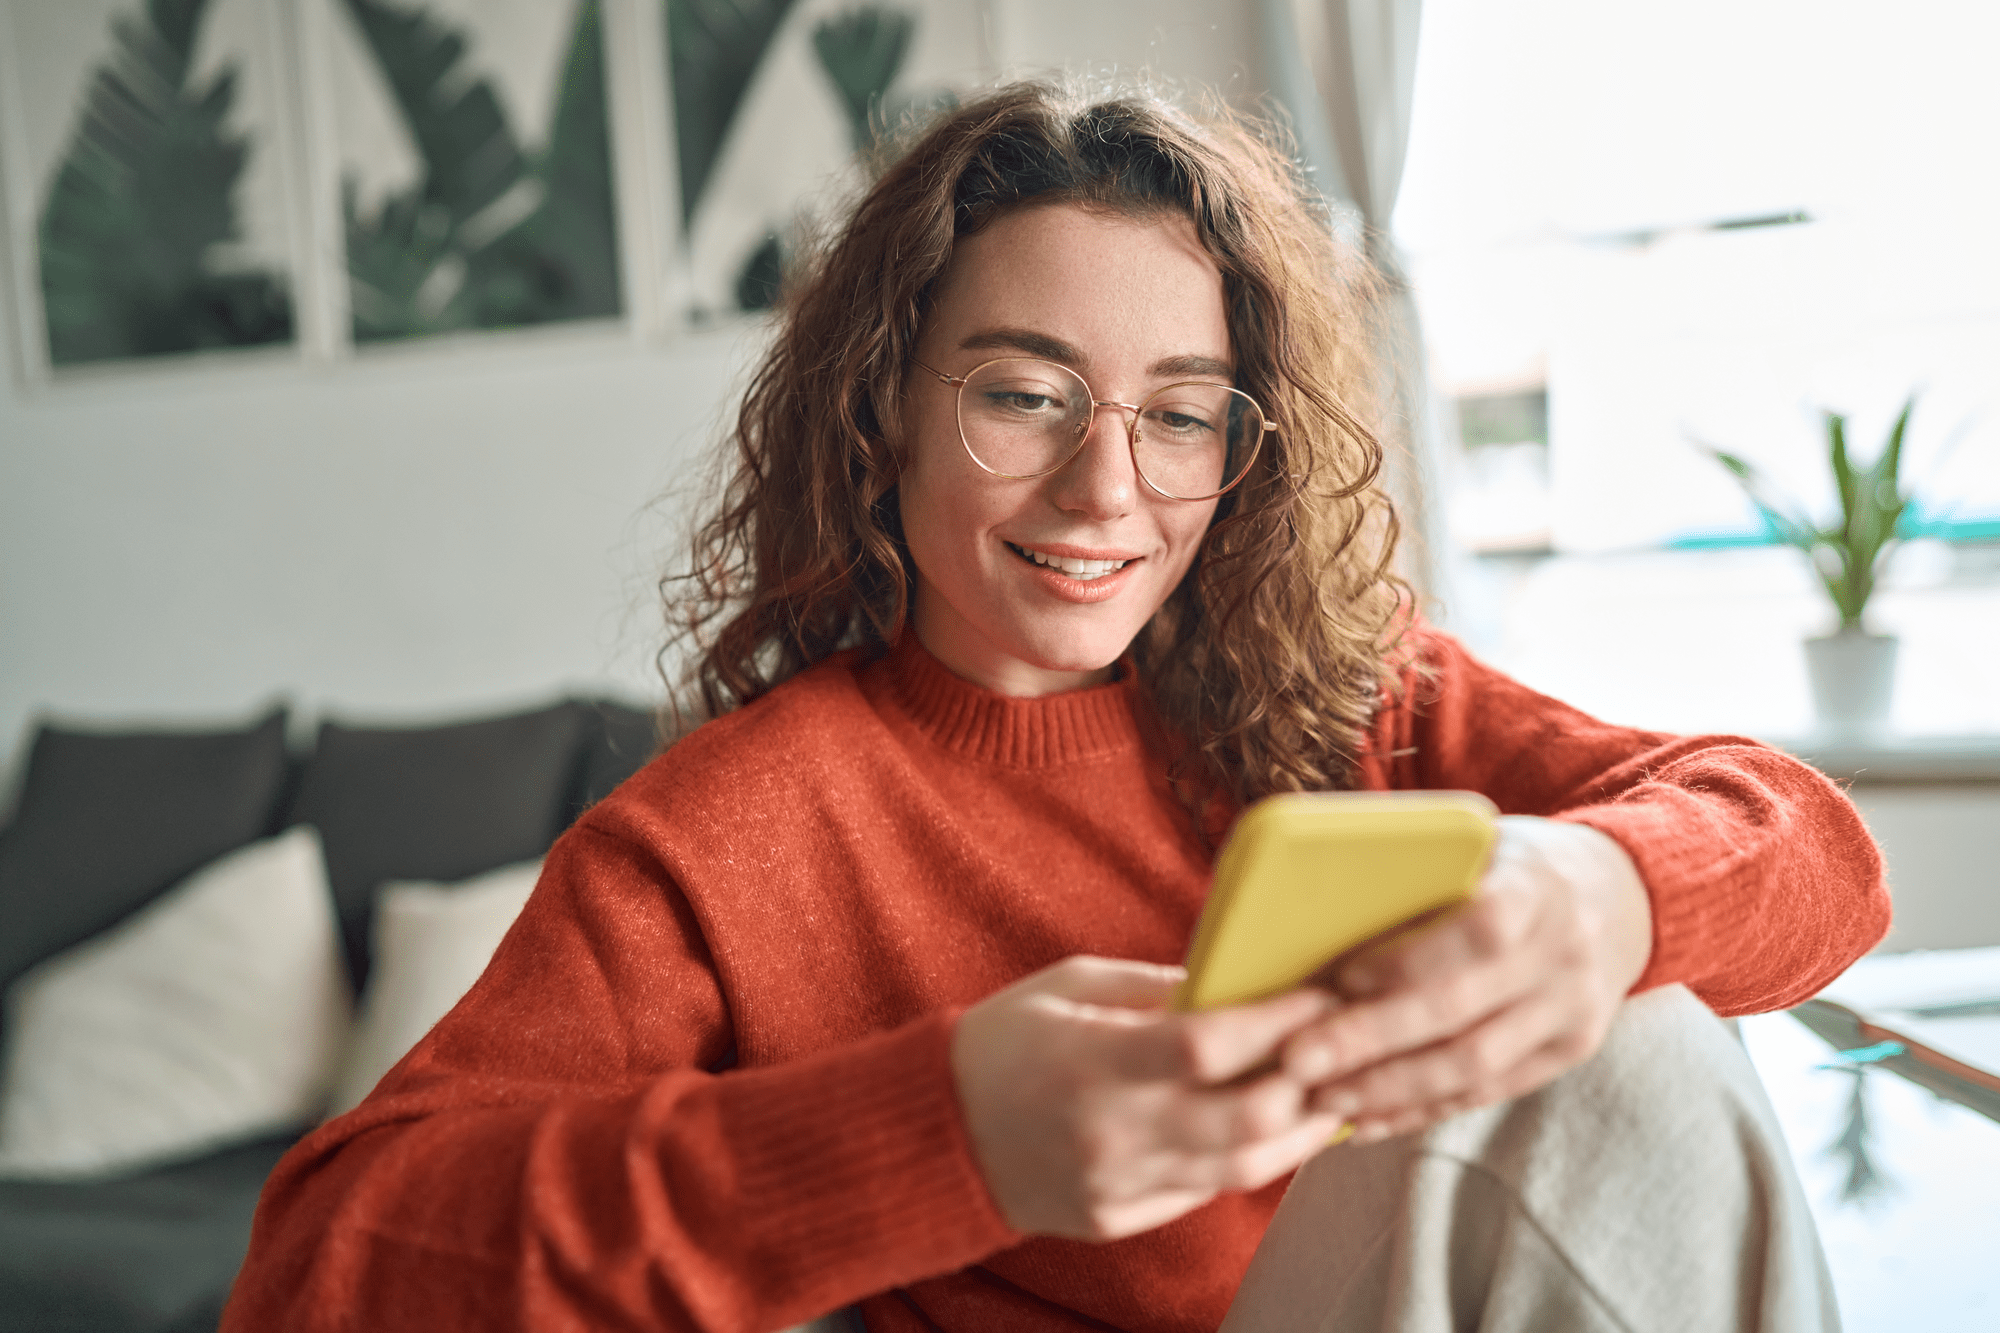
x=1892 y=760
x=1709 y=642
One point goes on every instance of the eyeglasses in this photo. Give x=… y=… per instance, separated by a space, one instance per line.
x=1021 y=418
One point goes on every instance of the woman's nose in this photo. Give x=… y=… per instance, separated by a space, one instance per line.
x=1100 y=482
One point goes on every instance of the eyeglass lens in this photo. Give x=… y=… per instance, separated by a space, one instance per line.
x=1023 y=418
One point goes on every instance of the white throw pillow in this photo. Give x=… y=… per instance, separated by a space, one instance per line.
x=215 y=1013
x=430 y=943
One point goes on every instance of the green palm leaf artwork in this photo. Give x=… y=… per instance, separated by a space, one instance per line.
x=713 y=49
x=131 y=234
x=574 y=234
x=862 y=51
x=491 y=236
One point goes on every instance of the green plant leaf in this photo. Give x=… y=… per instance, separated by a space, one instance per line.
x=1792 y=528
x=1890 y=463
x=861 y=51
x=487 y=239
x=1874 y=514
x=762 y=276
x=141 y=200
x=470 y=156
x=1848 y=556
x=713 y=47
x=1884 y=476
x=1843 y=472
x=400 y=281
x=1859 y=535
x=1854 y=586
x=561 y=262
x=406 y=264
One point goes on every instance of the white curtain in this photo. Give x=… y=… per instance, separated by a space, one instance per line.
x=1345 y=71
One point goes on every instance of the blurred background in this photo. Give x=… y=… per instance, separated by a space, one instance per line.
x=377 y=363
x=370 y=354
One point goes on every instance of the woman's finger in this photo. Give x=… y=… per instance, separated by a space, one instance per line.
x=1218 y=1120
x=1249 y=1166
x=1356 y=1036
x=1223 y=1044
x=1489 y=927
x=1471 y=1068
x=1212 y=1047
x=1542 y=1067
x=1113 y=982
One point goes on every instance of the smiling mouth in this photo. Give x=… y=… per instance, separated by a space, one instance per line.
x=1081 y=570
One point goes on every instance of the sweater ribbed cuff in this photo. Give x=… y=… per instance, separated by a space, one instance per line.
x=856 y=1164
x=1693 y=905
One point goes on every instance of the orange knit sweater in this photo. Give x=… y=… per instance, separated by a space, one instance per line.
x=705 y=1082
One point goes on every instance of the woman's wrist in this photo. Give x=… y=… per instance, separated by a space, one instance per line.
x=1612 y=893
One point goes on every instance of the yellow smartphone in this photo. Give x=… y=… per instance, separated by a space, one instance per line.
x=1305 y=877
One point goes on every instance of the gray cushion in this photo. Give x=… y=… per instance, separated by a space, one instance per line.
x=108 y=821
x=435 y=803
x=621 y=740
x=149 y=1254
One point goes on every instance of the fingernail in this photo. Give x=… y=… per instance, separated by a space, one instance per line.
x=1374 y=1131
x=1342 y=1104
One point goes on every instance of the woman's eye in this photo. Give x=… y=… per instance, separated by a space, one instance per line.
x=1021 y=400
x=1181 y=423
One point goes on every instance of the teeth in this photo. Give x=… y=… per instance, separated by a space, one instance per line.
x=1083 y=570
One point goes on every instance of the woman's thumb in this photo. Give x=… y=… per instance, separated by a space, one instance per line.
x=1112 y=982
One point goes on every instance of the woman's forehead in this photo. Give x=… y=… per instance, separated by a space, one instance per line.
x=1062 y=278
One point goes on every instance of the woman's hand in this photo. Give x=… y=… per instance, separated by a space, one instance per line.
x=1097 y=1113
x=1491 y=1000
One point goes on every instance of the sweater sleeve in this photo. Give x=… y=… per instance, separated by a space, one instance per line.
x=556 y=1153
x=1764 y=883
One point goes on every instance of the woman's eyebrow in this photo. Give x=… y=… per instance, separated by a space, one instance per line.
x=1192 y=365
x=1055 y=349
x=1027 y=340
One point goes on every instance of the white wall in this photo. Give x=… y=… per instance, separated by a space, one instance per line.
x=1942 y=846
x=436 y=529
x=433 y=529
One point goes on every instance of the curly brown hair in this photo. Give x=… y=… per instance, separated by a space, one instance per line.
x=1267 y=662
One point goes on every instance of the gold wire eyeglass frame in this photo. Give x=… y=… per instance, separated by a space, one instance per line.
x=957 y=383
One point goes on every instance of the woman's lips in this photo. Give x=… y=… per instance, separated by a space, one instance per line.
x=1070 y=588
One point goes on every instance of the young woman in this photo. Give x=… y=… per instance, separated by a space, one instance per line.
x=1054 y=539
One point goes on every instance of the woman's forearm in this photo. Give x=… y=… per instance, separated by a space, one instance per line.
x=692 y=1201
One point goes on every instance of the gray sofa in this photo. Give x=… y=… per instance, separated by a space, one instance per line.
x=107 y=821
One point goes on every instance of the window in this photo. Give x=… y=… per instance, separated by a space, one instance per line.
x=1707 y=223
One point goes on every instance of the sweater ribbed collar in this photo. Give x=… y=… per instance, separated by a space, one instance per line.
x=978 y=723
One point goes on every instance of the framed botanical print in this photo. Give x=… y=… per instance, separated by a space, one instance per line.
x=148 y=184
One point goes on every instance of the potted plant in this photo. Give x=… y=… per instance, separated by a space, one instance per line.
x=1852 y=670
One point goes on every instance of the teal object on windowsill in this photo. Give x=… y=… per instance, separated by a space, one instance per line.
x=1939 y=527
x=1864 y=1055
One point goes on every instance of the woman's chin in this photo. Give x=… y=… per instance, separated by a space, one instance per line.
x=1026 y=646
x=1032 y=664
x=1091 y=654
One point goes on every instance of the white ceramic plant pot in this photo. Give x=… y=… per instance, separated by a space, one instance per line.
x=1853 y=676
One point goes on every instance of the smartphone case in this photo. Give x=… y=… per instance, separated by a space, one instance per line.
x=1305 y=877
